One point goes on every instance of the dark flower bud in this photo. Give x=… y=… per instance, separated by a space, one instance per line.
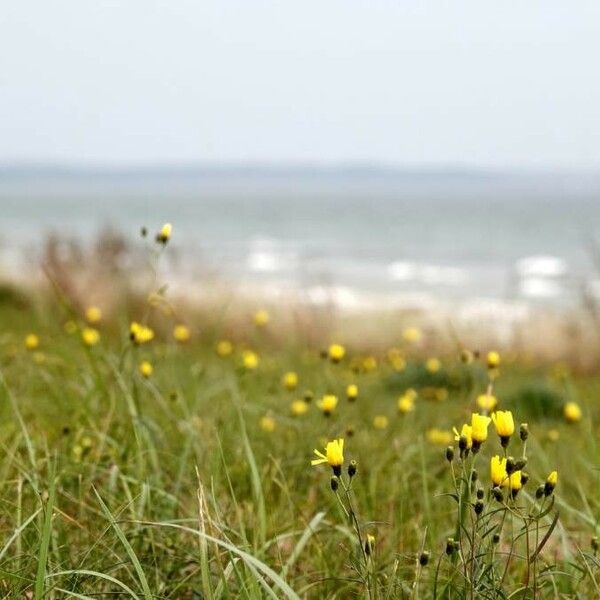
x=595 y=544
x=474 y=475
x=520 y=464
x=480 y=493
x=352 y=468
x=524 y=431
x=510 y=465
x=540 y=491
x=496 y=538
x=424 y=558
x=450 y=546
x=478 y=507
x=497 y=493
x=335 y=483
x=524 y=477
x=450 y=453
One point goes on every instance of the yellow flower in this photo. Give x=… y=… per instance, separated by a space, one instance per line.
x=479 y=427
x=250 y=360
x=328 y=403
x=268 y=424
x=334 y=456
x=32 y=341
x=412 y=335
x=411 y=393
x=406 y=403
x=336 y=352
x=464 y=437
x=90 y=336
x=290 y=380
x=298 y=407
x=261 y=318
x=224 y=348
x=514 y=482
x=93 y=315
x=505 y=425
x=433 y=365
x=493 y=360
x=438 y=437
x=181 y=333
x=146 y=368
x=352 y=391
x=369 y=544
x=487 y=402
x=572 y=412
x=552 y=479
x=553 y=435
x=140 y=334
x=498 y=473
x=164 y=235
x=380 y=422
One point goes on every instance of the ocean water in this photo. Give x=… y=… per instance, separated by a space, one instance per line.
x=390 y=234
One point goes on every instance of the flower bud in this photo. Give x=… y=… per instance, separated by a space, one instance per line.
x=352 y=468
x=524 y=431
x=497 y=493
x=450 y=453
x=496 y=538
x=424 y=558
x=478 y=507
x=335 y=483
x=511 y=466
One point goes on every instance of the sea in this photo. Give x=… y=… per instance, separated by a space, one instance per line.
x=362 y=234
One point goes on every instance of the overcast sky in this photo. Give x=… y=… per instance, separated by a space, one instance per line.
x=412 y=82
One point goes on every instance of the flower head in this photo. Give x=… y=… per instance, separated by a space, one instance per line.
x=164 y=235
x=328 y=403
x=32 y=341
x=250 y=360
x=464 y=437
x=290 y=380
x=433 y=365
x=261 y=317
x=380 y=422
x=498 y=473
x=140 y=334
x=412 y=335
x=336 y=353
x=298 y=407
x=333 y=456
x=572 y=412
x=93 y=315
x=90 y=336
x=479 y=425
x=224 y=348
x=487 y=402
x=352 y=392
x=505 y=425
x=268 y=424
x=181 y=333
x=438 y=437
x=493 y=360
x=145 y=368
x=406 y=403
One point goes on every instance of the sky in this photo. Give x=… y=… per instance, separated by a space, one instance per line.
x=404 y=82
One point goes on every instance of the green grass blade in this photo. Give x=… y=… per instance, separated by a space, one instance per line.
x=45 y=540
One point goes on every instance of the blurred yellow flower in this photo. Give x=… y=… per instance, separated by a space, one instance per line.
x=224 y=348
x=261 y=318
x=412 y=335
x=140 y=334
x=572 y=412
x=438 y=437
x=433 y=365
x=553 y=435
x=145 y=368
x=268 y=424
x=328 y=403
x=406 y=403
x=336 y=352
x=93 y=315
x=380 y=422
x=398 y=364
x=487 y=402
x=352 y=392
x=181 y=333
x=39 y=358
x=32 y=341
x=333 y=456
x=164 y=235
x=250 y=360
x=90 y=336
x=493 y=360
x=298 y=407
x=369 y=364
x=290 y=380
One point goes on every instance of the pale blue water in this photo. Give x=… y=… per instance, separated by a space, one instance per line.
x=445 y=234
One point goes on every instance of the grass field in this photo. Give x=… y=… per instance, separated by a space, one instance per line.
x=191 y=477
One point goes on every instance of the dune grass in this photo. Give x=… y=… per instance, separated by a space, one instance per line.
x=196 y=482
